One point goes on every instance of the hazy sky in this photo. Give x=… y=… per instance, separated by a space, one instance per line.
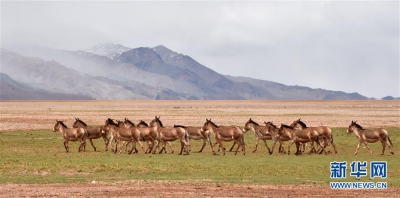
x=344 y=46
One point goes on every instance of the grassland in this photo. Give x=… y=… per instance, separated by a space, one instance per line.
x=31 y=153
x=38 y=157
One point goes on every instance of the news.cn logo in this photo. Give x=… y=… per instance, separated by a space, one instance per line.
x=358 y=170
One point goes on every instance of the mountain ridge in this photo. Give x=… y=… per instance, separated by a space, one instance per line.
x=155 y=73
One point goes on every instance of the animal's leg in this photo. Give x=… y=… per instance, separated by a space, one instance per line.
x=239 y=145
x=204 y=144
x=162 y=147
x=221 y=146
x=233 y=145
x=91 y=142
x=368 y=147
x=383 y=147
x=358 y=147
x=182 y=145
x=291 y=142
x=265 y=143
x=66 y=146
x=170 y=146
x=255 y=148
x=105 y=141
x=334 y=146
x=390 y=148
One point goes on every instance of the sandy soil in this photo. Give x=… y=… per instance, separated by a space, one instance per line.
x=182 y=189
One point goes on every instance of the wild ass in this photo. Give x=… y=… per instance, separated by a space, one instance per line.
x=225 y=133
x=325 y=133
x=71 y=134
x=273 y=131
x=299 y=136
x=123 y=134
x=261 y=133
x=94 y=132
x=147 y=134
x=195 y=133
x=165 y=135
x=370 y=136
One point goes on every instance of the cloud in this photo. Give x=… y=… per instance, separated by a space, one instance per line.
x=348 y=46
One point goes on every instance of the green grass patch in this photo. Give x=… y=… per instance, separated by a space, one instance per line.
x=39 y=157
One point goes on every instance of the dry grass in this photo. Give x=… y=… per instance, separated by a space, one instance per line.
x=32 y=115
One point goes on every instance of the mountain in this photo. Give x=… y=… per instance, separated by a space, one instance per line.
x=14 y=90
x=54 y=77
x=147 y=73
x=109 y=50
x=284 y=92
x=390 y=98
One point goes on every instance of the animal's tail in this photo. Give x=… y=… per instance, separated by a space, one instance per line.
x=390 y=141
x=86 y=133
x=331 y=137
x=187 y=137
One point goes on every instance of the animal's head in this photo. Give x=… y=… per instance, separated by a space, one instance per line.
x=58 y=125
x=249 y=125
x=156 y=122
x=298 y=124
x=208 y=125
x=79 y=123
x=353 y=126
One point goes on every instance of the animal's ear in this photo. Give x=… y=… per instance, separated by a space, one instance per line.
x=250 y=119
x=56 y=120
x=299 y=119
x=206 y=119
x=355 y=121
x=158 y=117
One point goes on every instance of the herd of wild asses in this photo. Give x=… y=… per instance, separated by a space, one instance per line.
x=123 y=133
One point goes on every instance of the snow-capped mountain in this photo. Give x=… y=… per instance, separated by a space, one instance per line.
x=108 y=49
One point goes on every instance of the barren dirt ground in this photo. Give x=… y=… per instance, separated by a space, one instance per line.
x=182 y=189
x=42 y=115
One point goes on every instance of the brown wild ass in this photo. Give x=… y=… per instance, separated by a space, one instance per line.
x=147 y=134
x=122 y=134
x=261 y=133
x=370 y=136
x=273 y=131
x=325 y=133
x=165 y=135
x=195 y=133
x=94 y=132
x=71 y=134
x=225 y=133
x=299 y=136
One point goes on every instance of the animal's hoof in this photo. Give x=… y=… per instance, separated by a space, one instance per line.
x=392 y=153
x=254 y=151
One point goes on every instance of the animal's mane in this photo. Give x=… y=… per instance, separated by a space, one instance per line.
x=216 y=126
x=131 y=123
x=302 y=123
x=177 y=125
x=358 y=126
x=272 y=124
x=159 y=122
x=110 y=121
x=144 y=123
x=253 y=122
x=82 y=122
x=62 y=124
x=287 y=126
